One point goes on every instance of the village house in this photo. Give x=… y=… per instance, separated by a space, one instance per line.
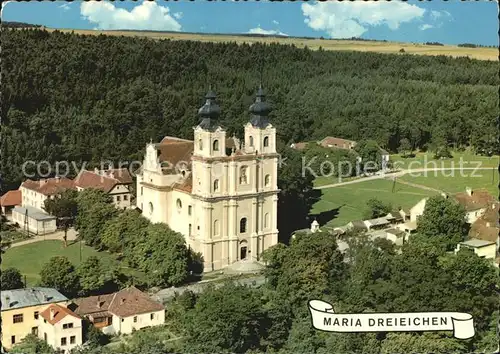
x=484 y=249
x=220 y=193
x=34 y=193
x=61 y=328
x=10 y=200
x=21 y=314
x=121 y=312
x=339 y=143
x=487 y=227
x=116 y=183
x=30 y=215
x=475 y=202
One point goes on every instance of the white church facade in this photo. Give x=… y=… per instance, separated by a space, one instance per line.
x=220 y=193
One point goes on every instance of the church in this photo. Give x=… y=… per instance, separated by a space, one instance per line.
x=219 y=192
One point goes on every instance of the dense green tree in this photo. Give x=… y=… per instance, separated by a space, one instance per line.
x=94 y=210
x=405 y=147
x=421 y=343
x=64 y=207
x=443 y=222
x=371 y=157
x=11 y=278
x=163 y=256
x=60 y=274
x=120 y=233
x=95 y=278
x=31 y=344
x=296 y=195
x=227 y=319
x=377 y=208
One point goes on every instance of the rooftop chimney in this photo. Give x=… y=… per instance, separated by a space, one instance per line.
x=99 y=302
x=52 y=313
x=96 y=170
x=7 y=299
x=469 y=191
x=314 y=226
x=122 y=301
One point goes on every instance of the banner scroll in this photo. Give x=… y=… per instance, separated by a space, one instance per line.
x=325 y=319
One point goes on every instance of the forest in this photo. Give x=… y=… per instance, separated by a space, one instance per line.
x=69 y=97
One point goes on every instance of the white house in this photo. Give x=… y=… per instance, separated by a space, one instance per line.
x=475 y=202
x=484 y=249
x=34 y=193
x=34 y=220
x=60 y=327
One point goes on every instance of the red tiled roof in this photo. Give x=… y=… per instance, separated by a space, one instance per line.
x=49 y=186
x=93 y=304
x=479 y=199
x=175 y=153
x=124 y=303
x=186 y=185
x=11 y=198
x=331 y=141
x=103 y=180
x=60 y=312
x=487 y=226
x=299 y=146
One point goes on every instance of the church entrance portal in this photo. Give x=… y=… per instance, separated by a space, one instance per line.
x=243 y=252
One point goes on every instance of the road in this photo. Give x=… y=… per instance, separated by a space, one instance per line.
x=58 y=235
x=402 y=173
x=168 y=293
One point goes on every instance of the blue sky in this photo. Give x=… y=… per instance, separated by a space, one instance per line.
x=450 y=22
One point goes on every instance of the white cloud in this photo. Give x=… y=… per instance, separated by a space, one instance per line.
x=259 y=30
x=426 y=26
x=65 y=7
x=440 y=14
x=178 y=15
x=352 y=19
x=276 y=22
x=146 y=16
x=435 y=14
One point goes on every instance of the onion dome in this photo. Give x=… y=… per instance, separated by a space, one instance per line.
x=260 y=109
x=210 y=111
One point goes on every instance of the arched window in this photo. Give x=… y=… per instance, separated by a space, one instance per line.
x=200 y=144
x=266 y=141
x=179 y=204
x=243 y=225
x=243 y=175
x=250 y=141
x=216 y=145
x=266 y=220
x=216 y=227
x=216 y=185
x=190 y=209
x=267 y=180
x=151 y=208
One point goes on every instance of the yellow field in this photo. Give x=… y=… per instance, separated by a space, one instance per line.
x=326 y=44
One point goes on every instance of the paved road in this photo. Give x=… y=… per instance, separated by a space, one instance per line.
x=402 y=173
x=168 y=293
x=58 y=235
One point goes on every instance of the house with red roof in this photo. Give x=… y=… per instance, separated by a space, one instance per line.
x=10 y=200
x=122 y=312
x=116 y=183
x=60 y=327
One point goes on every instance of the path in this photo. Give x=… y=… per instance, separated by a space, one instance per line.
x=168 y=293
x=419 y=186
x=58 y=235
x=401 y=173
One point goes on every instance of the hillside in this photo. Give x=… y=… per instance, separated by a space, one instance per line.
x=314 y=44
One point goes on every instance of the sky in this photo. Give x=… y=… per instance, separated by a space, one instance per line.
x=449 y=22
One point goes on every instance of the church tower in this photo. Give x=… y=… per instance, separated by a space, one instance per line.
x=260 y=135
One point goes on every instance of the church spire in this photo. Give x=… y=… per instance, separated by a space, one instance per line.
x=210 y=111
x=260 y=110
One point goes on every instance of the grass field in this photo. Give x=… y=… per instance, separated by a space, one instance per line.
x=30 y=258
x=347 y=203
x=425 y=159
x=326 y=44
x=454 y=183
